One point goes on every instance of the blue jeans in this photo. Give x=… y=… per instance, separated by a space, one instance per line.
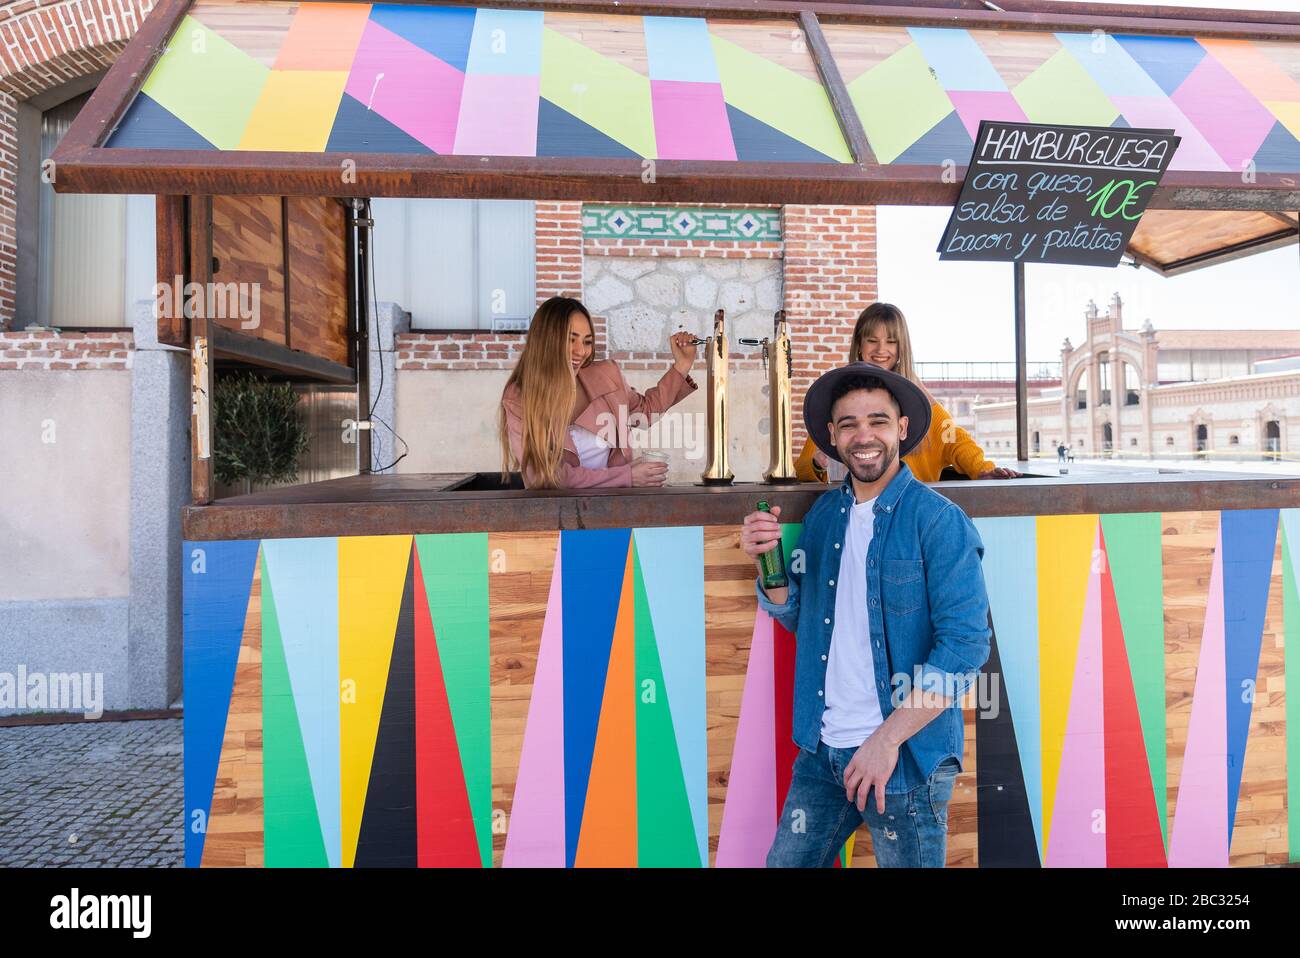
x=817 y=819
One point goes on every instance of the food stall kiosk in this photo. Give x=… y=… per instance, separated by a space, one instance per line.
x=433 y=670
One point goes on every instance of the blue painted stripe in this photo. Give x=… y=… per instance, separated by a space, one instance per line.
x=1110 y=65
x=1011 y=578
x=958 y=61
x=306 y=577
x=1249 y=538
x=591 y=587
x=216 y=580
x=1167 y=60
x=507 y=43
x=672 y=568
x=679 y=48
x=443 y=31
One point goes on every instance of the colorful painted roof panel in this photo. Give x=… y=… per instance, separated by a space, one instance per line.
x=922 y=91
x=404 y=78
x=342 y=77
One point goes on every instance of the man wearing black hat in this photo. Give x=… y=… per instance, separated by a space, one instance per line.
x=887 y=602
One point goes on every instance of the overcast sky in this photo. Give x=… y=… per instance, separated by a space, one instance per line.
x=962 y=311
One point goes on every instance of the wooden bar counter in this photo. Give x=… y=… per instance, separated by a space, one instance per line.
x=421 y=670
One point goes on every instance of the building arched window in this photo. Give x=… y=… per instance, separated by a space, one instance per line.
x=1103 y=379
x=1169 y=440
x=1273 y=435
x=1132 y=387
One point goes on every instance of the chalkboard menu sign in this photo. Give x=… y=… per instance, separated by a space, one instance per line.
x=1039 y=193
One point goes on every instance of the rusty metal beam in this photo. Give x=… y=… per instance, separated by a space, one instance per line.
x=397 y=505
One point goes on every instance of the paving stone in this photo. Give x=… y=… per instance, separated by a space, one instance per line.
x=116 y=786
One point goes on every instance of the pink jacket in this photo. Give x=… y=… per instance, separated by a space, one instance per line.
x=607 y=390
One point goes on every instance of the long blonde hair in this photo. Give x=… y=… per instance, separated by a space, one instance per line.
x=891 y=317
x=547 y=391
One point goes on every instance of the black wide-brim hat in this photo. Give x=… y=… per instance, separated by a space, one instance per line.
x=911 y=398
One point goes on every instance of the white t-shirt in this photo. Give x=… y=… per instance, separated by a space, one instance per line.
x=852 y=706
x=592 y=451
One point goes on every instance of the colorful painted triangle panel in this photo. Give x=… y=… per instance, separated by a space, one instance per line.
x=300 y=77
x=612 y=771
x=1225 y=98
x=614 y=697
x=482 y=82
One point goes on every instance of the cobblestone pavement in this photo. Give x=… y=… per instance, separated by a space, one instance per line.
x=92 y=794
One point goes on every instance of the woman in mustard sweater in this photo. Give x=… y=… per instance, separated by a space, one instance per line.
x=880 y=336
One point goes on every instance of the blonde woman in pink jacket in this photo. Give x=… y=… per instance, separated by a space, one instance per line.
x=565 y=419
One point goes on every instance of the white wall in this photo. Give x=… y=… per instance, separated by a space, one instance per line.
x=65 y=513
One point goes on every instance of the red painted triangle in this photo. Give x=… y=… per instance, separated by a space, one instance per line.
x=783 y=680
x=1132 y=823
x=445 y=825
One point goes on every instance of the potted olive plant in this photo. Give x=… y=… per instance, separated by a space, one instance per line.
x=257 y=434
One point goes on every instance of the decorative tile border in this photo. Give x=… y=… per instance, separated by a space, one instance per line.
x=681 y=223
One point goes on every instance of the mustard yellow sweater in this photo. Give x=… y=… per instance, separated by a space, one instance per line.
x=946 y=444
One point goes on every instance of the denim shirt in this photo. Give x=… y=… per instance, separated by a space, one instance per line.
x=928 y=610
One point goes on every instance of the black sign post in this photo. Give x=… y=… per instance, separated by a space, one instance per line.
x=1038 y=193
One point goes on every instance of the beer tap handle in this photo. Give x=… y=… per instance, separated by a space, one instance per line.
x=778 y=319
x=766 y=344
x=695 y=340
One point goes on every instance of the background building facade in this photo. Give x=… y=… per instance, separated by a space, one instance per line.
x=1168 y=393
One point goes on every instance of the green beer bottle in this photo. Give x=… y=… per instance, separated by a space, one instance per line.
x=772 y=563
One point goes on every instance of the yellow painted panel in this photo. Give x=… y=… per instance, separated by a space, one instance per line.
x=372 y=574
x=1065 y=557
x=295 y=111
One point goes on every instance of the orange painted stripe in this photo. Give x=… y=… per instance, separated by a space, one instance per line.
x=608 y=837
x=323 y=36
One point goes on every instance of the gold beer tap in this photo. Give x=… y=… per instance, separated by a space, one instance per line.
x=780 y=370
x=717 y=473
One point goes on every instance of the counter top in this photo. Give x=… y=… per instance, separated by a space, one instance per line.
x=458 y=502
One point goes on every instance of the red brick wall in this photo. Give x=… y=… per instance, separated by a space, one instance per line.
x=466 y=350
x=830 y=277
x=50 y=350
x=559 y=250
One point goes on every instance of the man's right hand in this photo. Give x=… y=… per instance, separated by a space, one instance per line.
x=761 y=532
x=647 y=472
